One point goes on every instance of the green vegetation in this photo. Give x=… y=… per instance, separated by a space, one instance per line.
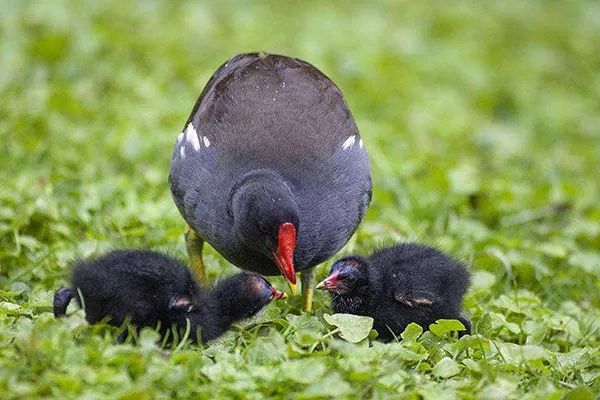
x=482 y=120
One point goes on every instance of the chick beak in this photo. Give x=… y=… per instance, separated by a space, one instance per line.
x=278 y=294
x=328 y=283
x=284 y=254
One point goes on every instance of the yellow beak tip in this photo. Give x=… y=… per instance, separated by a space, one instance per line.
x=293 y=288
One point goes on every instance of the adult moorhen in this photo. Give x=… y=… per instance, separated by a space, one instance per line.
x=270 y=169
x=151 y=289
x=405 y=283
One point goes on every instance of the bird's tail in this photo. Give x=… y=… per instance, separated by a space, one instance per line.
x=62 y=298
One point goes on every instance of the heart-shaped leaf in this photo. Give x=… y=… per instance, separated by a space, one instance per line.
x=352 y=328
x=444 y=326
x=412 y=332
x=446 y=368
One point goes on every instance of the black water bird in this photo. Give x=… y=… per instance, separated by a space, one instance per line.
x=150 y=289
x=270 y=169
x=398 y=285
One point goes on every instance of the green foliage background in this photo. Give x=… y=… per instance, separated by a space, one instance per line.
x=483 y=124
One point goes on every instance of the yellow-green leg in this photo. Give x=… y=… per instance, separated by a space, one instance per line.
x=194 y=244
x=307 y=277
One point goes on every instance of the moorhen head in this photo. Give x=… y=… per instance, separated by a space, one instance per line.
x=270 y=169
x=265 y=217
x=398 y=285
x=348 y=277
x=233 y=299
x=244 y=295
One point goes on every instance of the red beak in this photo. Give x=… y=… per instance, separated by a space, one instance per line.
x=284 y=254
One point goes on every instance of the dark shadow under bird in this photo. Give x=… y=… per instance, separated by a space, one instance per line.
x=398 y=285
x=150 y=289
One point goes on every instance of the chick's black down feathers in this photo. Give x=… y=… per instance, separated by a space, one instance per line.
x=398 y=285
x=150 y=289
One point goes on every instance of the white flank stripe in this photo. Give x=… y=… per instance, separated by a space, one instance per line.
x=349 y=142
x=192 y=136
x=206 y=141
x=182 y=151
x=180 y=137
x=360 y=143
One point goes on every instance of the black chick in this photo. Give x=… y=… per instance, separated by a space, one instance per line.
x=405 y=283
x=151 y=289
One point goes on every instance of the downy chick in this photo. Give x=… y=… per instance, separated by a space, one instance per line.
x=151 y=289
x=405 y=283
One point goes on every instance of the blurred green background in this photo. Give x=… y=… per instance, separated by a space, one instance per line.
x=482 y=120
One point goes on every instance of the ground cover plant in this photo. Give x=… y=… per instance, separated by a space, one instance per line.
x=482 y=121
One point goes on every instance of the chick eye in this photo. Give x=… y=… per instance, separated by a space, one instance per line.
x=262 y=227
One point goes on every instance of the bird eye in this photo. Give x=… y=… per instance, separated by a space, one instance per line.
x=262 y=227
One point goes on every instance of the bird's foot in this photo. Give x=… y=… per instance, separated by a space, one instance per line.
x=194 y=244
x=308 y=281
